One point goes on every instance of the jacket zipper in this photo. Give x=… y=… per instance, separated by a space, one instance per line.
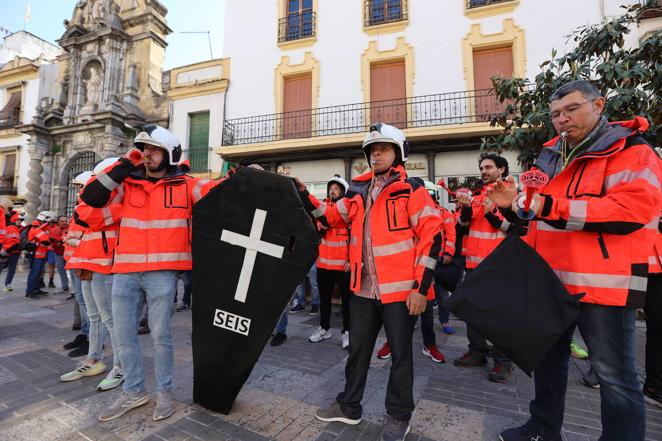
x=603 y=246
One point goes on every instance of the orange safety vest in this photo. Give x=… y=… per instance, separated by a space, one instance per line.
x=154 y=217
x=448 y=232
x=484 y=235
x=334 y=248
x=72 y=240
x=600 y=215
x=405 y=229
x=12 y=238
x=39 y=236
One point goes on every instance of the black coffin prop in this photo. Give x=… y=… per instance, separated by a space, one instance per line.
x=263 y=211
x=515 y=300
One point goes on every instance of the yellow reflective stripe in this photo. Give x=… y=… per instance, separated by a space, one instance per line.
x=152 y=257
x=427 y=262
x=388 y=288
x=147 y=225
x=626 y=176
x=332 y=262
x=577 y=216
x=614 y=281
x=334 y=244
x=487 y=234
x=423 y=212
x=197 y=190
x=394 y=248
x=99 y=235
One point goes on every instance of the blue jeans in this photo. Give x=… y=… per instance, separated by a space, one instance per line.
x=12 y=262
x=441 y=295
x=34 y=275
x=300 y=295
x=281 y=327
x=59 y=265
x=78 y=295
x=187 y=280
x=609 y=333
x=98 y=332
x=159 y=288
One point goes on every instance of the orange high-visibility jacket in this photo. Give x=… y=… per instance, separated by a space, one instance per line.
x=655 y=258
x=39 y=236
x=72 y=240
x=154 y=216
x=3 y=227
x=12 y=239
x=448 y=232
x=485 y=230
x=600 y=215
x=405 y=229
x=334 y=247
x=97 y=245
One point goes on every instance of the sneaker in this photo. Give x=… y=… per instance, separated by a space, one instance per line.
x=30 y=296
x=112 y=380
x=434 y=353
x=297 y=308
x=652 y=396
x=314 y=310
x=577 y=351
x=335 y=413
x=164 y=407
x=143 y=330
x=71 y=296
x=124 y=403
x=183 y=306
x=278 y=339
x=76 y=327
x=7 y=289
x=76 y=342
x=84 y=369
x=345 y=339
x=469 y=360
x=500 y=373
x=80 y=350
x=447 y=329
x=528 y=432
x=319 y=335
x=384 y=352
x=395 y=430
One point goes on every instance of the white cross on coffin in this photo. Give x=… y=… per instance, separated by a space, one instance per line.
x=253 y=245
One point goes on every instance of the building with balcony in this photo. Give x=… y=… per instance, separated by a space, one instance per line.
x=309 y=77
x=27 y=75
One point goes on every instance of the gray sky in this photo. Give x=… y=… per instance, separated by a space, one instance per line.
x=183 y=15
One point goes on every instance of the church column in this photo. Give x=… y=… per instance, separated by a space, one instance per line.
x=36 y=151
x=46 y=186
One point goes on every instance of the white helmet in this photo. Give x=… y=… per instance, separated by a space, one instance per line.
x=336 y=179
x=43 y=216
x=82 y=178
x=160 y=137
x=104 y=164
x=6 y=203
x=381 y=132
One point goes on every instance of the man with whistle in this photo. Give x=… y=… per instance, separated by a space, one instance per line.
x=594 y=223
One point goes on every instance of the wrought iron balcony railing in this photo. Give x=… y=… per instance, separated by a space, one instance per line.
x=478 y=3
x=376 y=12
x=420 y=111
x=296 y=26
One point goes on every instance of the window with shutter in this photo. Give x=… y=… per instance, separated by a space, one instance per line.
x=198 y=142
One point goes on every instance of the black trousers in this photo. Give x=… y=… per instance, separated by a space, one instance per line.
x=326 y=280
x=366 y=319
x=653 y=309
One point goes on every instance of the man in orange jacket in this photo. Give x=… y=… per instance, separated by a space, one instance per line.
x=395 y=240
x=153 y=207
x=595 y=222
x=485 y=229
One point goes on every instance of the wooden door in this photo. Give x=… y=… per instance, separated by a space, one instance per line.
x=297 y=104
x=388 y=96
x=489 y=63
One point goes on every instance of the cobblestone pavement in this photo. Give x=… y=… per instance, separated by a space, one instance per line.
x=279 y=400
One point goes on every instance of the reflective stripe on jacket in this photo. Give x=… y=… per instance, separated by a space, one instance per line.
x=485 y=231
x=448 y=232
x=39 y=236
x=405 y=230
x=334 y=247
x=655 y=258
x=154 y=216
x=72 y=239
x=600 y=215
x=12 y=239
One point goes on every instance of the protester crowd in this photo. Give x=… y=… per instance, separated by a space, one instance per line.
x=391 y=252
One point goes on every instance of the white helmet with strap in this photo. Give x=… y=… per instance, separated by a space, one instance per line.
x=43 y=216
x=162 y=138
x=380 y=132
x=337 y=179
x=82 y=178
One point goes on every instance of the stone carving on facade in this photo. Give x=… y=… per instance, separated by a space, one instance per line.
x=93 y=87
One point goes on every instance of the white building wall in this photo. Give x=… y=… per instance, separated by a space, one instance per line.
x=180 y=125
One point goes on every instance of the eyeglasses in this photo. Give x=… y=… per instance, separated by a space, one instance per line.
x=568 y=110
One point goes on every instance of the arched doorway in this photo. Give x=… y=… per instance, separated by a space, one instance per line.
x=83 y=162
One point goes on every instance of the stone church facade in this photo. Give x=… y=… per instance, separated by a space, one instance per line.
x=110 y=78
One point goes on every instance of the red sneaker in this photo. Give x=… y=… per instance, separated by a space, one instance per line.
x=384 y=352
x=434 y=353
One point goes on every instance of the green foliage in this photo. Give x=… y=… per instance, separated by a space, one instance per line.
x=628 y=78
